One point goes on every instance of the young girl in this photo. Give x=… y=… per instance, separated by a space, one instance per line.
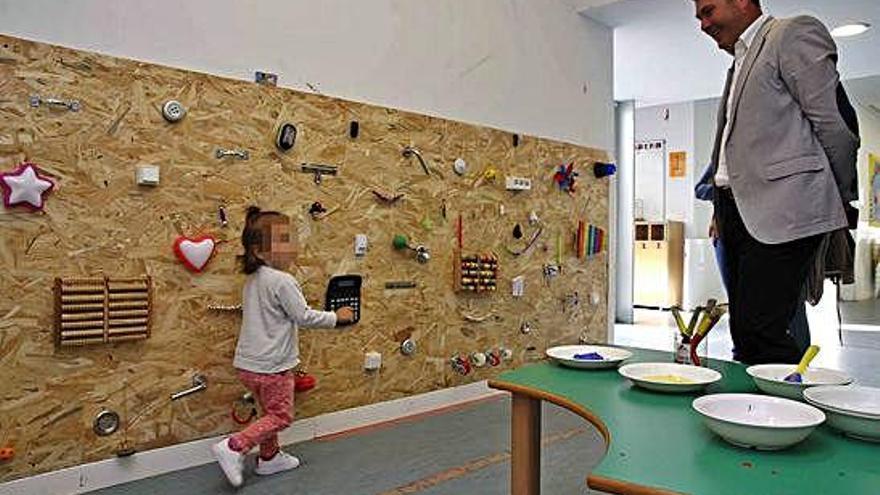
x=273 y=309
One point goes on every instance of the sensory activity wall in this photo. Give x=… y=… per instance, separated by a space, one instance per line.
x=125 y=186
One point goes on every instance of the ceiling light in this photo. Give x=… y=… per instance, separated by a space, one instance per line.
x=850 y=30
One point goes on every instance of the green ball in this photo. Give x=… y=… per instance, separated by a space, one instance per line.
x=400 y=242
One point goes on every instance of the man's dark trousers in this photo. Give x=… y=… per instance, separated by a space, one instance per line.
x=765 y=286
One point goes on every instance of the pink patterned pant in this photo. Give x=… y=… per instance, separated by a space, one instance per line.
x=274 y=394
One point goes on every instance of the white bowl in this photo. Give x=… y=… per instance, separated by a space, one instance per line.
x=564 y=355
x=758 y=421
x=658 y=376
x=853 y=410
x=862 y=401
x=770 y=379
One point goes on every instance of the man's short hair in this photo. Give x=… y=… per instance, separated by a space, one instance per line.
x=756 y=2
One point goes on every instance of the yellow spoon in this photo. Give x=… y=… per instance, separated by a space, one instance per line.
x=797 y=376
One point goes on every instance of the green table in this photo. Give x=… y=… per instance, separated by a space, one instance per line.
x=657 y=444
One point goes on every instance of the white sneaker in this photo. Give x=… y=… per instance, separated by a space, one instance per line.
x=281 y=462
x=230 y=461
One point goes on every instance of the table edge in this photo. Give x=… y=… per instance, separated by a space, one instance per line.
x=601 y=483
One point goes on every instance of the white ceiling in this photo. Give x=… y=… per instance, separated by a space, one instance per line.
x=661 y=56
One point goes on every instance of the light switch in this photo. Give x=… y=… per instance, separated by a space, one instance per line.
x=518 y=183
x=360 y=245
x=147 y=175
x=372 y=361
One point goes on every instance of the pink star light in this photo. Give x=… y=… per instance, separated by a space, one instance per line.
x=25 y=186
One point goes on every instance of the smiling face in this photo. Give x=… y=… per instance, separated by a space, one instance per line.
x=725 y=20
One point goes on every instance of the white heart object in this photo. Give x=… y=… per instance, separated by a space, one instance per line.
x=196 y=253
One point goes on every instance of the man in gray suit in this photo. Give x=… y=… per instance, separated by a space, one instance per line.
x=784 y=166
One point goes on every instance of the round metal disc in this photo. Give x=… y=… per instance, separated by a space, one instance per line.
x=459 y=166
x=408 y=347
x=106 y=423
x=173 y=111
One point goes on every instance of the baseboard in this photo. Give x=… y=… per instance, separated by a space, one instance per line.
x=110 y=472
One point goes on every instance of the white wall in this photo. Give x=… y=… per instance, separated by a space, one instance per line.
x=675 y=124
x=705 y=120
x=662 y=56
x=528 y=66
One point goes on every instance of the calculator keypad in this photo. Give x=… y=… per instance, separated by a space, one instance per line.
x=347 y=299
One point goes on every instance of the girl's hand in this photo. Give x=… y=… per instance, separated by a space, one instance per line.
x=344 y=315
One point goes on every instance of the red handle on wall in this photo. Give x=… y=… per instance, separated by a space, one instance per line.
x=303 y=381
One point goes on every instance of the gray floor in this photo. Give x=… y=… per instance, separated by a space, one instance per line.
x=860 y=323
x=860 y=312
x=463 y=451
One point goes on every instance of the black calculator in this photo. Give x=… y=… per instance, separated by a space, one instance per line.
x=344 y=290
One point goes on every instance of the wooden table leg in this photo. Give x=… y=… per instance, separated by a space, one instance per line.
x=525 y=446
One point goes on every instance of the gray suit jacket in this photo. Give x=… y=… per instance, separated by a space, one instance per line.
x=790 y=155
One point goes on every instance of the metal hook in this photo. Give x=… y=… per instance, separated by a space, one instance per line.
x=409 y=151
x=72 y=105
x=221 y=153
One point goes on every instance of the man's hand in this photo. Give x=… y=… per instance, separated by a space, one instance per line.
x=713 y=229
x=344 y=315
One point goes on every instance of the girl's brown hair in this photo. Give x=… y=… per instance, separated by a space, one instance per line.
x=257 y=236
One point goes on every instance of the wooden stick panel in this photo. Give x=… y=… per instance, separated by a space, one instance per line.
x=124 y=304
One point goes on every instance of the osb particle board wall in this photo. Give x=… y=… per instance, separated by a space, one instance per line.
x=99 y=222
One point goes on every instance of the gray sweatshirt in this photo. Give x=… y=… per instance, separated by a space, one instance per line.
x=273 y=309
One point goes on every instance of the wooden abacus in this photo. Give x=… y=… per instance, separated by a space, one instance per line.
x=476 y=273
x=98 y=310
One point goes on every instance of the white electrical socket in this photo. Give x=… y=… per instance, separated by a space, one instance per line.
x=518 y=286
x=518 y=183
x=147 y=175
x=360 y=245
x=372 y=361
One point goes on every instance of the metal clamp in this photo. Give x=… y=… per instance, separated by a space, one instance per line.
x=423 y=255
x=199 y=383
x=410 y=151
x=319 y=170
x=72 y=105
x=221 y=153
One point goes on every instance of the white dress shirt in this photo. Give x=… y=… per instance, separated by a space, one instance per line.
x=740 y=50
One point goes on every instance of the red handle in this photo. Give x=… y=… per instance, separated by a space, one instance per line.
x=695 y=342
x=7 y=453
x=243 y=421
x=303 y=382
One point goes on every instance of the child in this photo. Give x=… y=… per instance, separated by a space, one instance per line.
x=273 y=309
